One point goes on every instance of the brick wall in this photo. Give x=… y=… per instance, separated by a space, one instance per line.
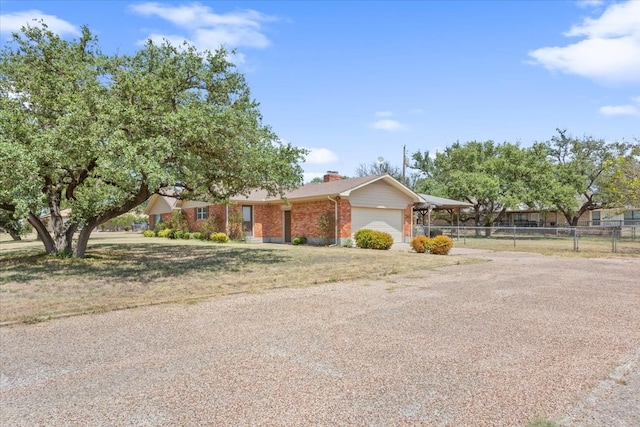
x=304 y=217
x=270 y=219
x=408 y=227
x=344 y=219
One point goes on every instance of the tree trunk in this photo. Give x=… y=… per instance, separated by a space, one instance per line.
x=83 y=240
x=14 y=235
x=43 y=233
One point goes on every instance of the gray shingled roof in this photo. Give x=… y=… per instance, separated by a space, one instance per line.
x=440 y=202
x=341 y=187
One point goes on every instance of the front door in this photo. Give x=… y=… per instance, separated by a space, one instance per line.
x=287 y=226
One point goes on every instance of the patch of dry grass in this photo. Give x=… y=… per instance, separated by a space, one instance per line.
x=124 y=270
x=588 y=247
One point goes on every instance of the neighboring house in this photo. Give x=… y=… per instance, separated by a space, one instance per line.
x=377 y=202
x=595 y=217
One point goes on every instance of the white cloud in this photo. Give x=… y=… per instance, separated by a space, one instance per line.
x=620 y=110
x=384 y=114
x=609 y=52
x=589 y=3
x=208 y=30
x=319 y=156
x=388 y=125
x=12 y=22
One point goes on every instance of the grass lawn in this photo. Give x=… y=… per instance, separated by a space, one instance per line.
x=125 y=270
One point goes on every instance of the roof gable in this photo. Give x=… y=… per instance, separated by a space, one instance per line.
x=341 y=187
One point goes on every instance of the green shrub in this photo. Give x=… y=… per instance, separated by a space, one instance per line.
x=219 y=238
x=178 y=234
x=159 y=227
x=178 y=221
x=420 y=244
x=149 y=233
x=372 y=239
x=440 y=245
x=198 y=235
x=299 y=240
x=348 y=243
x=186 y=235
x=213 y=224
x=165 y=232
x=235 y=226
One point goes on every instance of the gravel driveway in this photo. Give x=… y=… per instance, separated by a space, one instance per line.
x=490 y=344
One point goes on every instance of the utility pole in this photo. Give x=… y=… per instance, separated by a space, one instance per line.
x=404 y=164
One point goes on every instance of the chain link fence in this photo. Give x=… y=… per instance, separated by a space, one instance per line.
x=592 y=239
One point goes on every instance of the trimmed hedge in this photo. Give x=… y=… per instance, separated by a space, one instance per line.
x=440 y=245
x=219 y=238
x=299 y=240
x=372 y=239
x=149 y=233
x=420 y=244
x=165 y=233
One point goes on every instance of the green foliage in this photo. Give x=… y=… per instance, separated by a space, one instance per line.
x=235 y=226
x=186 y=235
x=177 y=234
x=100 y=134
x=149 y=233
x=167 y=232
x=326 y=226
x=440 y=245
x=198 y=236
x=15 y=227
x=581 y=173
x=372 y=239
x=299 y=240
x=219 y=238
x=348 y=243
x=159 y=226
x=213 y=224
x=493 y=177
x=420 y=244
x=178 y=221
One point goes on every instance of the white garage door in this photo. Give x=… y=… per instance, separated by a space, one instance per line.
x=387 y=220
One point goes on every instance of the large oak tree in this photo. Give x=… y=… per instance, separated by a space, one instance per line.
x=586 y=173
x=100 y=134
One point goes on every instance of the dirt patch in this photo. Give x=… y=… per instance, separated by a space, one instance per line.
x=494 y=343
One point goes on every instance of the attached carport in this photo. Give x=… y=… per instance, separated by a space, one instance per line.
x=431 y=203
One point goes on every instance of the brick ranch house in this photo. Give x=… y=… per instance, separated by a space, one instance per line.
x=377 y=202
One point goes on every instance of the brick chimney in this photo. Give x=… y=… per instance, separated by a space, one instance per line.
x=331 y=176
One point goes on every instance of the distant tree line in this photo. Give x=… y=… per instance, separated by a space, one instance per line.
x=566 y=174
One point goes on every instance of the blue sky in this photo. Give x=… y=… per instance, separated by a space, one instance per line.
x=354 y=81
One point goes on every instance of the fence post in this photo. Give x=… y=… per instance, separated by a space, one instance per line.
x=614 y=240
x=514 y=236
x=575 y=239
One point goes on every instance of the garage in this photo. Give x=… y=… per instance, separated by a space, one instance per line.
x=387 y=220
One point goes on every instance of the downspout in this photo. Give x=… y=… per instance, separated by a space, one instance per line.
x=335 y=218
x=226 y=218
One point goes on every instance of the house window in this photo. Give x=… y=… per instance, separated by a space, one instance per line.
x=632 y=218
x=595 y=218
x=157 y=219
x=202 y=213
x=247 y=220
